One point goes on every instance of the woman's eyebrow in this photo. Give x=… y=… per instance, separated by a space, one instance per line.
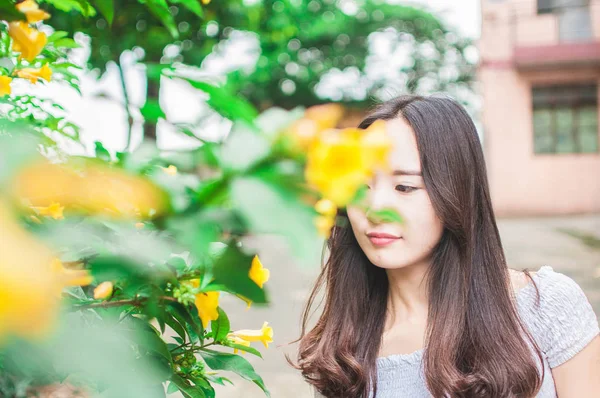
x=407 y=172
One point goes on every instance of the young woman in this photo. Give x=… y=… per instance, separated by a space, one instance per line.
x=428 y=307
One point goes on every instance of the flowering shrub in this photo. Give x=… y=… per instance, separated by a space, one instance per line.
x=112 y=268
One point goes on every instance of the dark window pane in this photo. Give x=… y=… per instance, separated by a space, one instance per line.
x=588 y=129
x=564 y=131
x=565 y=118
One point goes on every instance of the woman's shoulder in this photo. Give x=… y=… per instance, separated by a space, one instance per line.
x=558 y=314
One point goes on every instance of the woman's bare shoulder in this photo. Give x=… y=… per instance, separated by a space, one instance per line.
x=518 y=279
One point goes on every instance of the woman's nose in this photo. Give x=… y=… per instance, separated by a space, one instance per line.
x=379 y=198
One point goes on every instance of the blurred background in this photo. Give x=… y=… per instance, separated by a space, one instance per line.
x=527 y=71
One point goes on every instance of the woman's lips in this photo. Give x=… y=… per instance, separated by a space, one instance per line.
x=377 y=241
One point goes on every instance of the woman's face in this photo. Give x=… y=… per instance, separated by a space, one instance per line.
x=403 y=190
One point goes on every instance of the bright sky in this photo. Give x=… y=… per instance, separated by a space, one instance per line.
x=102 y=118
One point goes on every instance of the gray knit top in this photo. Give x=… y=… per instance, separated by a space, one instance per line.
x=562 y=325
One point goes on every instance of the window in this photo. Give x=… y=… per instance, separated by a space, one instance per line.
x=549 y=6
x=565 y=119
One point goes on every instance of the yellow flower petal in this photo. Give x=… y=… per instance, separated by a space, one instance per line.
x=32 y=11
x=103 y=290
x=29 y=289
x=316 y=119
x=71 y=277
x=33 y=74
x=207 y=304
x=246 y=300
x=324 y=225
x=326 y=207
x=257 y=273
x=264 y=335
x=171 y=170
x=26 y=40
x=55 y=210
x=5 y=85
x=90 y=186
x=239 y=341
x=205 y=2
x=339 y=162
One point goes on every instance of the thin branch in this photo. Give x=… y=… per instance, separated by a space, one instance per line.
x=126 y=105
x=117 y=303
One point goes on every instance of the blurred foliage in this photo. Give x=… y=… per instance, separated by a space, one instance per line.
x=112 y=266
x=297 y=44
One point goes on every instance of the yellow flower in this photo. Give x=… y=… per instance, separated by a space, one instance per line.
x=207 y=304
x=71 y=277
x=326 y=207
x=29 y=289
x=89 y=186
x=32 y=11
x=339 y=162
x=324 y=225
x=246 y=300
x=171 y=170
x=257 y=273
x=205 y=2
x=33 y=74
x=5 y=85
x=103 y=290
x=239 y=341
x=26 y=40
x=264 y=335
x=55 y=210
x=315 y=120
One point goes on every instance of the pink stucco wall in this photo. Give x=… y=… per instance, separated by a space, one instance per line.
x=524 y=183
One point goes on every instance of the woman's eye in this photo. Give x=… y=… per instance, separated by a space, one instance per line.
x=405 y=188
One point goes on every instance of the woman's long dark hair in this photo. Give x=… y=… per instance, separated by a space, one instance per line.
x=476 y=345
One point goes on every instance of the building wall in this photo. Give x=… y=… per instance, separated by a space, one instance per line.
x=522 y=182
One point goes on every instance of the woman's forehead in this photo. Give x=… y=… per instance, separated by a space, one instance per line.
x=405 y=153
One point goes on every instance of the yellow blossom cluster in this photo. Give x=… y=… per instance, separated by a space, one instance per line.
x=29 y=43
x=339 y=161
x=207 y=304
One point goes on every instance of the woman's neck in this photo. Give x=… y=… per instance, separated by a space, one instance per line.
x=408 y=294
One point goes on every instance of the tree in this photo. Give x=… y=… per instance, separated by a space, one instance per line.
x=299 y=44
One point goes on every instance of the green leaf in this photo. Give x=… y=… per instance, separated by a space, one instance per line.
x=148 y=337
x=218 y=379
x=174 y=324
x=269 y=207
x=243 y=149
x=244 y=348
x=192 y=5
x=160 y=9
x=151 y=111
x=107 y=268
x=234 y=363
x=186 y=388
x=231 y=270
x=59 y=34
x=155 y=71
x=386 y=215
x=221 y=327
x=101 y=152
x=232 y=107
x=183 y=316
x=107 y=9
x=81 y=6
x=172 y=388
x=66 y=43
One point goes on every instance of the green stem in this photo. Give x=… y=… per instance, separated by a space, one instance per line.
x=126 y=99
x=117 y=303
